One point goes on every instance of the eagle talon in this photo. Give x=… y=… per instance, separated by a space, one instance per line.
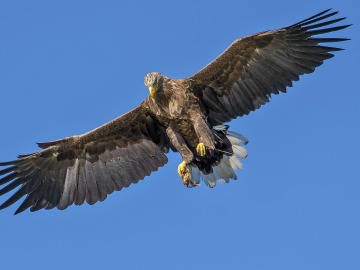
x=184 y=172
x=191 y=184
x=201 y=149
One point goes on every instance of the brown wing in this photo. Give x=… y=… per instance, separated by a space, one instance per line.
x=243 y=77
x=87 y=167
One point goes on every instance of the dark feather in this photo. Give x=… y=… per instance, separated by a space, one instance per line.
x=316 y=17
x=92 y=193
x=81 y=184
x=11 y=186
x=86 y=167
x=15 y=197
x=28 y=202
x=267 y=62
x=8 y=178
x=69 y=190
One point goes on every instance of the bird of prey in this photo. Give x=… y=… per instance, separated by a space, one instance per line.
x=183 y=115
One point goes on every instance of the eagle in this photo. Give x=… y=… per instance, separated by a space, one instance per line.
x=188 y=116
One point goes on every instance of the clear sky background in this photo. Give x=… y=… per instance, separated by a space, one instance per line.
x=69 y=66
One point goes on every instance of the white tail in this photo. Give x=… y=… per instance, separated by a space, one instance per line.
x=228 y=166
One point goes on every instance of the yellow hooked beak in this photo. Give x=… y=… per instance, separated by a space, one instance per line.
x=152 y=91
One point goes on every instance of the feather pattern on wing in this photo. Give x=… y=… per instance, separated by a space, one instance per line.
x=244 y=77
x=87 y=167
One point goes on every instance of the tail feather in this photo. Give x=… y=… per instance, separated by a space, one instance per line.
x=226 y=169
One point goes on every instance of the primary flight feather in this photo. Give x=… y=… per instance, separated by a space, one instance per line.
x=185 y=115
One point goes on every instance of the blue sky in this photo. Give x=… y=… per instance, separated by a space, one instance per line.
x=69 y=66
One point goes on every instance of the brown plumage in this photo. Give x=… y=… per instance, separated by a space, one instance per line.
x=185 y=115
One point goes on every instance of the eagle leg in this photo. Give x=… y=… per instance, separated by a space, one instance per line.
x=180 y=145
x=184 y=170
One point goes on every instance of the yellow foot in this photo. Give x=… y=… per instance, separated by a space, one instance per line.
x=201 y=149
x=184 y=173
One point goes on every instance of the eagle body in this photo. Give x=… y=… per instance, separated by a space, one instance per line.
x=188 y=116
x=178 y=107
x=180 y=110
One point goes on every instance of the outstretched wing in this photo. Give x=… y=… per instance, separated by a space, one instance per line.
x=87 y=167
x=243 y=77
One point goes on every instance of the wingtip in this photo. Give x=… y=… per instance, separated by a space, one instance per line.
x=19 y=210
x=325 y=11
x=7 y=163
x=7 y=170
x=3 y=206
x=317 y=17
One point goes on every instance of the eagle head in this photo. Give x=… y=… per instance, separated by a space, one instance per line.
x=153 y=81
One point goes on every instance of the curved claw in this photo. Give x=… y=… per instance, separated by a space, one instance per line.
x=184 y=171
x=201 y=149
x=191 y=184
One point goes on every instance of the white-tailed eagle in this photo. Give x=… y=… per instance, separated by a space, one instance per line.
x=185 y=115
